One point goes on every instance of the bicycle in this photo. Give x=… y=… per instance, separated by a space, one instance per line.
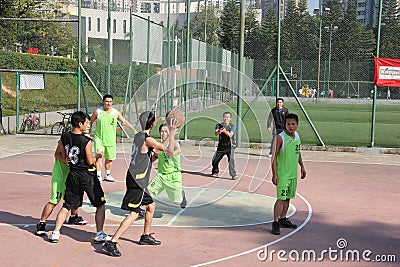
x=62 y=126
x=31 y=121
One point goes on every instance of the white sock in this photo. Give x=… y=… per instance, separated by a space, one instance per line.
x=56 y=232
x=98 y=173
x=99 y=233
x=108 y=172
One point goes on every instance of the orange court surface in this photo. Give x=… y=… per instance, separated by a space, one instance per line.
x=346 y=211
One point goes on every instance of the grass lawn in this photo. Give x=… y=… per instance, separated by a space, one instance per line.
x=337 y=124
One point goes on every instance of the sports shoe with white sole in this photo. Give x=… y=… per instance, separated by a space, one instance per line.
x=101 y=238
x=78 y=220
x=54 y=237
x=41 y=228
x=109 y=178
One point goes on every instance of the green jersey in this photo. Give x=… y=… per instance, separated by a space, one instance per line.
x=106 y=126
x=167 y=165
x=288 y=156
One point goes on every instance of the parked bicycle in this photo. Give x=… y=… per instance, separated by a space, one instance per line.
x=62 y=126
x=31 y=121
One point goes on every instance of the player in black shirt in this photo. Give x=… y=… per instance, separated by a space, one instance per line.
x=277 y=116
x=76 y=146
x=226 y=145
x=137 y=180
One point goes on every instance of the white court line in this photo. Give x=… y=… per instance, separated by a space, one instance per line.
x=262 y=248
x=182 y=210
x=24 y=173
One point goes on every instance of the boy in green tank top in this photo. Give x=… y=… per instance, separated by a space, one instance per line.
x=284 y=172
x=169 y=175
x=105 y=141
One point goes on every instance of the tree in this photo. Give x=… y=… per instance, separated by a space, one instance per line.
x=251 y=32
x=49 y=37
x=197 y=25
x=390 y=30
x=230 y=25
x=359 y=41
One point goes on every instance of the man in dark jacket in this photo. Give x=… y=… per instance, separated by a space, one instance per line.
x=277 y=116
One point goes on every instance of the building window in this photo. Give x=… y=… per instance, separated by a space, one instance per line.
x=145 y=7
x=124 y=26
x=98 y=24
x=89 y=23
x=114 y=26
x=156 y=8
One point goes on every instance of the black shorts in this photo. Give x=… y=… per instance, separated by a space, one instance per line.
x=79 y=182
x=135 y=196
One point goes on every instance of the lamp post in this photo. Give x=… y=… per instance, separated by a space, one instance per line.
x=320 y=12
x=330 y=29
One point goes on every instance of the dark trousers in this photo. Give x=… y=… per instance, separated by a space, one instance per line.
x=275 y=132
x=219 y=154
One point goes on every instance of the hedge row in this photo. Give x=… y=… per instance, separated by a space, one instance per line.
x=22 y=61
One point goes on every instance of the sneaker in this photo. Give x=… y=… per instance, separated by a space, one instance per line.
x=78 y=220
x=148 y=240
x=109 y=178
x=214 y=174
x=99 y=177
x=269 y=156
x=184 y=201
x=101 y=238
x=234 y=177
x=275 y=228
x=41 y=228
x=286 y=223
x=111 y=249
x=54 y=237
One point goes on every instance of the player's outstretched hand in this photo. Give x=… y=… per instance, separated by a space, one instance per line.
x=173 y=125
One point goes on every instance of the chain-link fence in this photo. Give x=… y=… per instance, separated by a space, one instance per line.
x=325 y=70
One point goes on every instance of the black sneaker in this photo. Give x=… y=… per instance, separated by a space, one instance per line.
x=184 y=201
x=41 y=228
x=111 y=249
x=286 y=223
x=275 y=228
x=148 y=240
x=78 y=220
x=234 y=177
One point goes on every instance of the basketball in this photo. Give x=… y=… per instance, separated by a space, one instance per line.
x=177 y=114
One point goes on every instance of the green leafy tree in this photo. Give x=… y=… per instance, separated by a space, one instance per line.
x=230 y=25
x=297 y=42
x=49 y=37
x=251 y=33
x=197 y=25
x=357 y=41
x=390 y=30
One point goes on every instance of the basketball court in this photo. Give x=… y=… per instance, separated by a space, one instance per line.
x=347 y=203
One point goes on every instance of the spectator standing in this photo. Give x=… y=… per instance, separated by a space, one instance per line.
x=278 y=116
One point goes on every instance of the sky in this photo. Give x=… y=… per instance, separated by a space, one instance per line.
x=311 y=5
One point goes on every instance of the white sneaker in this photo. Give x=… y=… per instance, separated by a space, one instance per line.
x=99 y=177
x=269 y=156
x=101 y=238
x=109 y=178
x=54 y=237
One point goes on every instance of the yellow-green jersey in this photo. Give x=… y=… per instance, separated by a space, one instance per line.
x=106 y=126
x=288 y=156
x=167 y=165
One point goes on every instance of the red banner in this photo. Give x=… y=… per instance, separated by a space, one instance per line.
x=387 y=72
